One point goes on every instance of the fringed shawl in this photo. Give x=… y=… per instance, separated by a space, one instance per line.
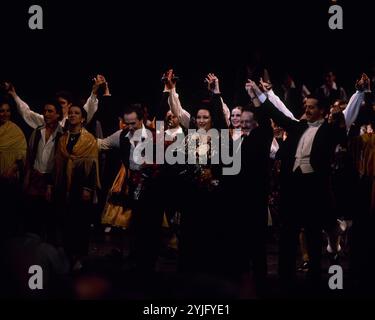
x=84 y=155
x=12 y=146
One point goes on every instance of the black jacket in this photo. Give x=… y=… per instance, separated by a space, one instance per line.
x=252 y=182
x=255 y=153
x=325 y=141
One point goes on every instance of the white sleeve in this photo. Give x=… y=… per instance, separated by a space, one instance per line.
x=32 y=118
x=260 y=95
x=111 y=142
x=352 y=109
x=91 y=106
x=276 y=101
x=176 y=108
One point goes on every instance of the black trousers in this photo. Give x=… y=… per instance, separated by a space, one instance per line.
x=204 y=243
x=147 y=217
x=76 y=228
x=306 y=202
x=249 y=235
x=48 y=218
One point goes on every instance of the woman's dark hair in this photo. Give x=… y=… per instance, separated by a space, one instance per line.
x=14 y=115
x=241 y=108
x=216 y=112
x=237 y=107
x=83 y=111
x=340 y=102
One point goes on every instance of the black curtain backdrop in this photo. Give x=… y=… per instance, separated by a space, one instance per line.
x=131 y=43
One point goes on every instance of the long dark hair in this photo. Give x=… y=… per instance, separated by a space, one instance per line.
x=216 y=112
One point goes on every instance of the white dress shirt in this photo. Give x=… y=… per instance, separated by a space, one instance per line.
x=34 y=119
x=304 y=147
x=113 y=142
x=135 y=158
x=45 y=155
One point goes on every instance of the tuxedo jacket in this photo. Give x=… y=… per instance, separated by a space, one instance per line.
x=252 y=182
x=255 y=153
x=324 y=143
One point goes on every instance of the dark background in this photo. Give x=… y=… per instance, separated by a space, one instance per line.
x=131 y=43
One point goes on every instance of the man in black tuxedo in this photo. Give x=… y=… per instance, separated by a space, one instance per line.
x=305 y=183
x=248 y=196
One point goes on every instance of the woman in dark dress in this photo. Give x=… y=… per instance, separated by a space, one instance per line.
x=202 y=219
x=76 y=181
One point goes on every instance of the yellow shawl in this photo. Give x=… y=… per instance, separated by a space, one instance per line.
x=12 y=146
x=364 y=154
x=84 y=155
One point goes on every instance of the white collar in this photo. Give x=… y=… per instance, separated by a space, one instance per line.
x=59 y=129
x=316 y=123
